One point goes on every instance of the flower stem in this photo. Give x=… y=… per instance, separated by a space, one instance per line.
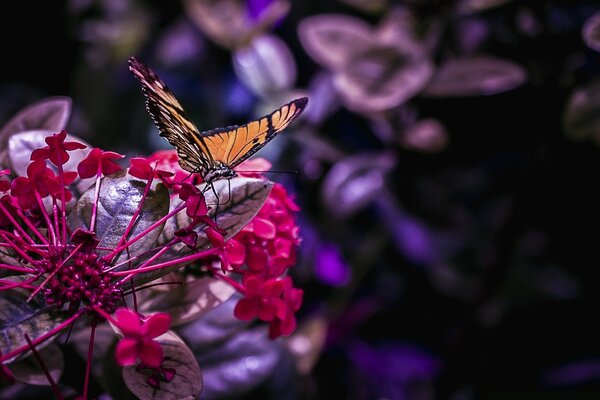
x=235 y=284
x=53 y=385
x=95 y=203
x=15 y=224
x=182 y=260
x=45 y=215
x=119 y=249
x=63 y=207
x=88 y=366
x=136 y=213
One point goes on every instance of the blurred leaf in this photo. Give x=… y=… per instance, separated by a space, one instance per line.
x=427 y=136
x=187 y=382
x=239 y=364
x=333 y=39
x=307 y=342
x=581 y=119
x=214 y=327
x=354 y=181
x=120 y=197
x=228 y=23
x=324 y=100
x=48 y=114
x=188 y=301
x=475 y=76
x=19 y=318
x=22 y=144
x=381 y=78
x=591 y=32
x=265 y=66
x=402 y=30
x=28 y=370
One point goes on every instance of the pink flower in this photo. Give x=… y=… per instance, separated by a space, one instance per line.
x=140 y=168
x=168 y=160
x=99 y=162
x=262 y=299
x=194 y=200
x=139 y=333
x=271 y=238
x=39 y=179
x=57 y=148
x=4 y=184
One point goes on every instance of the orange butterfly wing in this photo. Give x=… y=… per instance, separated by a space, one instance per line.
x=210 y=150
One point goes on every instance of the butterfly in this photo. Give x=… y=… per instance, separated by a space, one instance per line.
x=214 y=153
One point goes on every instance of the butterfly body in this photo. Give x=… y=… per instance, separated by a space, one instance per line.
x=213 y=154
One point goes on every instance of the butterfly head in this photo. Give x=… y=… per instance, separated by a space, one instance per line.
x=221 y=172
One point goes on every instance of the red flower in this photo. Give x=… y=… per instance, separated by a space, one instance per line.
x=140 y=168
x=285 y=323
x=138 y=337
x=4 y=184
x=57 y=149
x=194 y=200
x=262 y=299
x=99 y=161
x=40 y=178
x=169 y=161
x=271 y=238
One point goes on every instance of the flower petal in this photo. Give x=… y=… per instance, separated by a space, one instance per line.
x=126 y=352
x=151 y=353
x=156 y=325
x=128 y=322
x=246 y=309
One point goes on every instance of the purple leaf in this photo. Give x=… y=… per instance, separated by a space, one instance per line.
x=475 y=76
x=332 y=39
x=381 y=78
x=51 y=114
x=265 y=66
x=354 y=182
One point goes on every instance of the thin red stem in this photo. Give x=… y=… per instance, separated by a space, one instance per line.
x=236 y=285
x=183 y=260
x=31 y=226
x=143 y=233
x=15 y=224
x=46 y=216
x=96 y=197
x=63 y=213
x=53 y=385
x=88 y=366
x=136 y=213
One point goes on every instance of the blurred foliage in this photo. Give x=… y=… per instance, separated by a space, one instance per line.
x=445 y=166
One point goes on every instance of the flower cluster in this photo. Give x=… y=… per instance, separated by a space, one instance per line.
x=85 y=254
x=261 y=253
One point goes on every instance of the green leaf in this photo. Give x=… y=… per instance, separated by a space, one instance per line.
x=28 y=370
x=120 y=197
x=189 y=301
x=187 y=382
x=19 y=318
